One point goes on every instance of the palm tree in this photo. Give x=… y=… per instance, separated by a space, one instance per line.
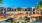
x=37 y=8
x=1 y=1
x=40 y=8
x=40 y=5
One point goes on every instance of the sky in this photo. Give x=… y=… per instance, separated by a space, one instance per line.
x=20 y=3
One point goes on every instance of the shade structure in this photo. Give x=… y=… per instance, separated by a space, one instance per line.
x=4 y=14
x=3 y=17
x=36 y=15
x=20 y=14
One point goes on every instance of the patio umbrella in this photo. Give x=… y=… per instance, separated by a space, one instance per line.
x=3 y=16
x=36 y=15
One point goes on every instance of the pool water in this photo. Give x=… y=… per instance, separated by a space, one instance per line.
x=37 y=21
x=4 y=22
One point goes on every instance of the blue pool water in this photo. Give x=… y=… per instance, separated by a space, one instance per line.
x=37 y=21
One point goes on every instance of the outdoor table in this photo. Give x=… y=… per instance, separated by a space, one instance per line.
x=21 y=21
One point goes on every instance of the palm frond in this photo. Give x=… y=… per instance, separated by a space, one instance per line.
x=40 y=3
x=37 y=8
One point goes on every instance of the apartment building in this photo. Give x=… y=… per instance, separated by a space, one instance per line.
x=10 y=11
x=2 y=10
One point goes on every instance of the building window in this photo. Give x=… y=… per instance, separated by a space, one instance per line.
x=8 y=9
x=19 y=9
x=11 y=9
x=33 y=9
x=33 y=12
x=1 y=9
x=28 y=9
x=25 y=9
x=14 y=9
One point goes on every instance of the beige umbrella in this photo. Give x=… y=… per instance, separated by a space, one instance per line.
x=36 y=15
x=2 y=17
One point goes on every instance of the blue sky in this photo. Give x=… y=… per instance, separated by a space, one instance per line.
x=20 y=3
